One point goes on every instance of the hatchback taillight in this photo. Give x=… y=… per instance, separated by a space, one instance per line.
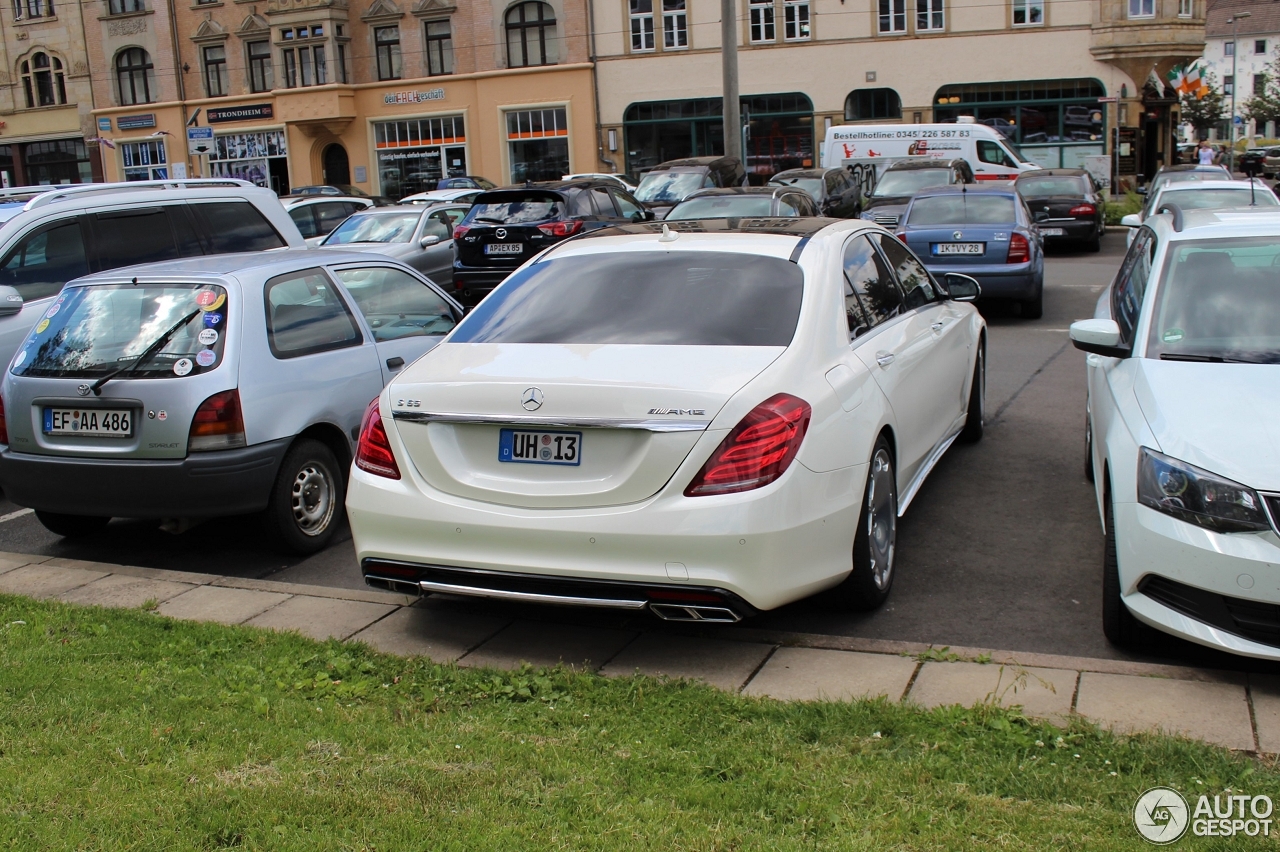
x=460 y=230
x=373 y=453
x=757 y=451
x=902 y=235
x=561 y=229
x=1084 y=210
x=218 y=424
x=4 y=426
x=1019 y=249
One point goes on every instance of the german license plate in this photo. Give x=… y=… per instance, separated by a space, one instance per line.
x=959 y=248
x=530 y=447
x=89 y=422
x=1052 y=232
x=503 y=248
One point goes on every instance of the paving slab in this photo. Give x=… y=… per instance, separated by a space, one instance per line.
x=439 y=635
x=545 y=644
x=1265 y=691
x=7 y=564
x=43 y=581
x=727 y=665
x=365 y=594
x=1043 y=693
x=816 y=674
x=321 y=618
x=228 y=606
x=25 y=558
x=123 y=591
x=1214 y=712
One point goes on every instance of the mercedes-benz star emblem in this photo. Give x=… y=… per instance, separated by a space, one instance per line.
x=957 y=235
x=531 y=399
x=501 y=233
x=83 y=390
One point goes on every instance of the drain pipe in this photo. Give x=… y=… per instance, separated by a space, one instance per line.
x=595 y=84
x=177 y=74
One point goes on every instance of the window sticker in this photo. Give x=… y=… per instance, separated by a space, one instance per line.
x=207 y=300
x=205 y=358
x=207 y=336
x=1172 y=335
x=41 y=326
x=182 y=366
x=211 y=320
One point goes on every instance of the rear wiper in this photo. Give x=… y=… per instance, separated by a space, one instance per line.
x=155 y=347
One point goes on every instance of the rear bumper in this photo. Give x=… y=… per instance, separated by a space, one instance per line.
x=472 y=283
x=1012 y=281
x=228 y=482
x=1075 y=230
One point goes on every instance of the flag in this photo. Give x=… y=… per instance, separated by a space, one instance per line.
x=1194 y=83
x=1178 y=79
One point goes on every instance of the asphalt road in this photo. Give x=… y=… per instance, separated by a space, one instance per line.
x=1001 y=549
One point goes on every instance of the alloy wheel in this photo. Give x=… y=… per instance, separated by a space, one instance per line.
x=882 y=519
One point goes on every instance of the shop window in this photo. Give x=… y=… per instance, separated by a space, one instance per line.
x=763 y=28
x=25 y=9
x=538 y=144
x=866 y=104
x=1142 y=8
x=215 y=71
x=893 y=16
x=929 y=15
x=795 y=20
x=386 y=42
x=255 y=157
x=260 y=77
x=414 y=155
x=439 y=37
x=123 y=7
x=675 y=25
x=531 y=35
x=43 y=81
x=641 y=25
x=144 y=160
x=135 y=76
x=1027 y=13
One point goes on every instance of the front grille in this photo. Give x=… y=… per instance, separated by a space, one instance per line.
x=886 y=220
x=1253 y=620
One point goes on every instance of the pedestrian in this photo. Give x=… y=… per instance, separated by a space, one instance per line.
x=1206 y=153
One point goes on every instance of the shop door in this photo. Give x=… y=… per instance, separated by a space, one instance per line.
x=278 y=174
x=337 y=169
x=455 y=161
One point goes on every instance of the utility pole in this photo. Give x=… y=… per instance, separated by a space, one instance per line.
x=1235 y=83
x=729 y=66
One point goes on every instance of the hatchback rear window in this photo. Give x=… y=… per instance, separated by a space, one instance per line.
x=689 y=298
x=1044 y=187
x=962 y=209
x=516 y=208
x=92 y=331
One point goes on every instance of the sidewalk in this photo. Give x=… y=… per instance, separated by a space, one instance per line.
x=1226 y=708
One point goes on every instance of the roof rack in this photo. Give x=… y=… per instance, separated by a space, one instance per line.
x=25 y=192
x=73 y=190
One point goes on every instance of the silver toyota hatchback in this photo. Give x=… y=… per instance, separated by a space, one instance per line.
x=209 y=387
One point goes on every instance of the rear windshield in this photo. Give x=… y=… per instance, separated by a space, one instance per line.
x=813 y=186
x=962 y=209
x=689 y=298
x=722 y=207
x=910 y=181
x=1044 y=187
x=375 y=228
x=670 y=186
x=1212 y=199
x=92 y=331
x=516 y=208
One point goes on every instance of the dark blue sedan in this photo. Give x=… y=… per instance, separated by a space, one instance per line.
x=985 y=232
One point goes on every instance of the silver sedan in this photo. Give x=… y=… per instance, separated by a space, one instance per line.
x=420 y=236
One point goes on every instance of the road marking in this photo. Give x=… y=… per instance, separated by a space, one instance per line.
x=13 y=516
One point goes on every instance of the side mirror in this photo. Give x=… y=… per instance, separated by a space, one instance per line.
x=962 y=288
x=1133 y=220
x=649 y=215
x=1142 y=190
x=1040 y=216
x=429 y=240
x=1099 y=336
x=10 y=302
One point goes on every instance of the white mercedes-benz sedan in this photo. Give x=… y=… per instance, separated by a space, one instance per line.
x=706 y=420
x=1182 y=431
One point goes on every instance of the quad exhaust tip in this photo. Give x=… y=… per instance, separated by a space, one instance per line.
x=694 y=612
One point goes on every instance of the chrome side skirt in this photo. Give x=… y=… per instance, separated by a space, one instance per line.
x=925 y=469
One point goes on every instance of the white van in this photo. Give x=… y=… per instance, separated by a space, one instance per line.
x=868 y=149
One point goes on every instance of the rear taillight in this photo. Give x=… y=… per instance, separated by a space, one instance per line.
x=757 y=451
x=460 y=230
x=373 y=453
x=1084 y=210
x=902 y=235
x=4 y=426
x=1019 y=249
x=218 y=424
x=561 y=229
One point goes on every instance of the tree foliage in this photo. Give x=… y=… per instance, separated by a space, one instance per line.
x=1266 y=106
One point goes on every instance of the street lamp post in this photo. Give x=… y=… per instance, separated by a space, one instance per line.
x=1235 y=83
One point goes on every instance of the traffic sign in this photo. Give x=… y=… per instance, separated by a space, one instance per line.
x=199 y=140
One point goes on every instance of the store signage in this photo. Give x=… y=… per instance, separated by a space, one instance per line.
x=136 y=122
x=1108 y=100
x=104 y=125
x=413 y=97
x=199 y=141
x=248 y=112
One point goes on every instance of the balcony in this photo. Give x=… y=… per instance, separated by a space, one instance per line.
x=276 y=7
x=1134 y=45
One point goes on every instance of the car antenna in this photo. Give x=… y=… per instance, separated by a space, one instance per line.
x=668 y=235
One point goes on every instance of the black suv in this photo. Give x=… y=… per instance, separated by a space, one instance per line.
x=902 y=180
x=667 y=184
x=836 y=191
x=507 y=226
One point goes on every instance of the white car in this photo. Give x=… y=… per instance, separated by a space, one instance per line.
x=317 y=215
x=1181 y=431
x=437 y=196
x=625 y=180
x=705 y=423
x=1203 y=195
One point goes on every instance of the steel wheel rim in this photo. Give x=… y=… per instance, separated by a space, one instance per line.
x=311 y=499
x=882 y=519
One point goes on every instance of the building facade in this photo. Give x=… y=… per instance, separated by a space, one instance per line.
x=1242 y=38
x=387 y=95
x=46 y=99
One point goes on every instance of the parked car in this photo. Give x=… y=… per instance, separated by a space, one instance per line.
x=340 y=189
x=669 y=183
x=435 y=196
x=507 y=226
x=1202 y=195
x=418 y=235
x=1184 y=356
x=903 y=179
x=651 y=418
x=1076 y=207
x=465 y=182
x=220 y=386
x=985 y=232
x=1183 y=172
x=74 y=230
x=627 y=183
x=1271 y=162
x=1252 y=158
x=745 y=202
x=835 y=191
x=317 y=215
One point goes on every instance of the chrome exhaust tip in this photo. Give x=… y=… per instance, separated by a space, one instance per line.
x=694 y=612
x=402 y=587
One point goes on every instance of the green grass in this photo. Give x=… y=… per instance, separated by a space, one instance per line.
x=125 y=730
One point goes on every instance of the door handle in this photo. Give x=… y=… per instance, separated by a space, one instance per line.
x=395 y=363
x=938 y=326
x=884 y=359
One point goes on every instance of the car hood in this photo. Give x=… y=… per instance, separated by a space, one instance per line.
x=1224 y=418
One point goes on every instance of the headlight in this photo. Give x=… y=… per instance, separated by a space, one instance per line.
x=1198 y=496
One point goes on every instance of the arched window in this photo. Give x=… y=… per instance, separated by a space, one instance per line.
x=864 y=104
x=43 y=81
x=133 y=73
x=531 y=35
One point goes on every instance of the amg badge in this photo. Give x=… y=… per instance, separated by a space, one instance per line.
x=697 y=412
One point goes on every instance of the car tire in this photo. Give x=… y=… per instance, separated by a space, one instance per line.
x=876 y=538
x=72 y=526
x=1033 y=308
x=307 y=500
x=1088 y=449
x=1118 y=624
x=1094 y=244
x=975 y=416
